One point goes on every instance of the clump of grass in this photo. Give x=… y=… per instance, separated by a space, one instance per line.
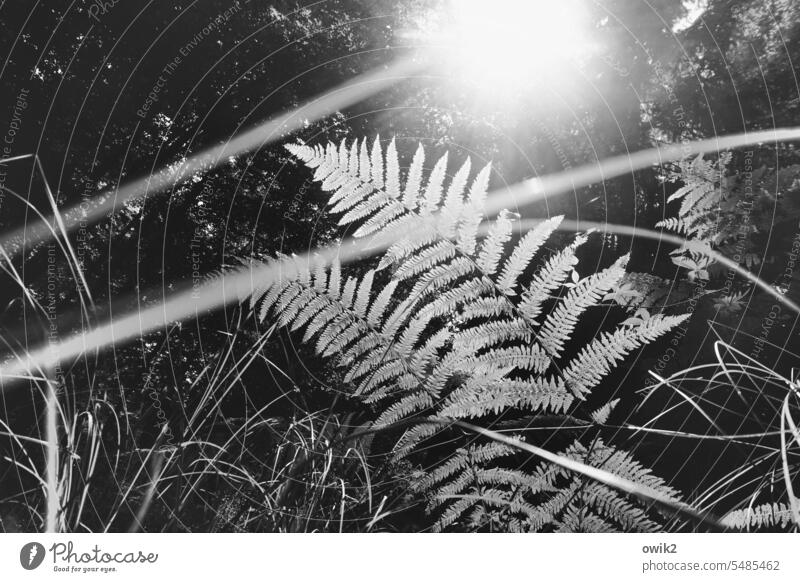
x=257 y=472
x=750 y=411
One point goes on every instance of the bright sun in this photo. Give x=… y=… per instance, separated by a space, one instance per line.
x=505 y=45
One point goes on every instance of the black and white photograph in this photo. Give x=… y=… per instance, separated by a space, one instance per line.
x=400 y=267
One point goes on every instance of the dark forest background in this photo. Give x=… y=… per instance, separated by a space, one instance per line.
x=84 y=70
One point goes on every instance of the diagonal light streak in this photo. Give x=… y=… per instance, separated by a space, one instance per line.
x=342 y=97
x=536 y=189
x=238 y=284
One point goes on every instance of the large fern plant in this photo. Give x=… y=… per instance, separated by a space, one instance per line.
x=455 y=322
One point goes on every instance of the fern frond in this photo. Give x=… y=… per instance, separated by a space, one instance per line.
x=321 y=320
x=392 y=171
x=546 y=512
x=449 y=301
x=579 y=496
x=381 y=303
x=433 y=190
x=442 y=276
x=414 y=180
x=312 y=309
x=492 y=248
x=361 y=348
x=582 y=520
x=288 y=312
x=423 y=234
x=559 y=325
x=413 y=437
x=454 y=201
x=622 y=464
x=524 y=252
x=478 y=454
x=608 y=502
x=376 y=164
x=348 y=292
x=537 y=394
x=463 y=341
x=674 y=224
x=425 y=260
x=529 y=357
x=452 y=513
x=388 y=371
x=332 y=332
x=768 y=515
x=425 y=355
x=451 y=487
x=472 y=213
x=485 y=307
x=548 y=279
x=474 y=339
x=598 y=358
x=408 y=404
x=361 y=301
x=600 y=416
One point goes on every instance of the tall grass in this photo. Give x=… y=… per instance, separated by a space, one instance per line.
x=311 y=477
x=750 y=411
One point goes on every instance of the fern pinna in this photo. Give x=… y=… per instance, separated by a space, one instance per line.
x=451 y=325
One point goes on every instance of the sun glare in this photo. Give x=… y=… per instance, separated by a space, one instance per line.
x=506 y=45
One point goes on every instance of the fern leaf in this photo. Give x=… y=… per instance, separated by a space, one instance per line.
x=485 y=307
x=381 y=220
x=546 y=512
x=491 y=333
x=343 y=338
x=368 y=342
x=364 y=165
x=524 y=252
x=433 y=190
x=492 y=248
x=332 y=331
x=529 y=357
x=335 y=279
x=449 y=301
x=608 y=503
x=425 y=355
x=549 y=278
x=462 y=458
x=320 y=279
x=559 y=325
x=425 y=260
x=601 y=415
x=361 y=301
x=622 y=464
x=358 y=211
x=581 y=520
x=376 y=163
x=442 y=276
x=378 y=309
x=452 y=513
x=414 y=180
x=454 y=201
x=322 y=319
x=598 y=358
x=288 y=313
x=392 y=171
x=311 y=309
x=768 y=515
x=348 y=292
x=418 y=400
x=413 y=437
x=538 y=394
